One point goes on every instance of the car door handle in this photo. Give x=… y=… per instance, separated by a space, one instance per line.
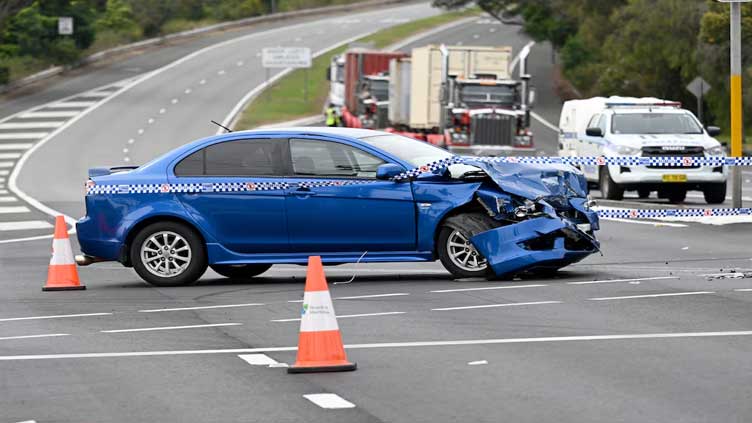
x=303 y=192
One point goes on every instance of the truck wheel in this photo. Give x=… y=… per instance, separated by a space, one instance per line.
x=168 y=254
x=677 y=195
x=242 y=271
x=456 y=252
x=715 y=193
x=610 y=190
x=643 y=193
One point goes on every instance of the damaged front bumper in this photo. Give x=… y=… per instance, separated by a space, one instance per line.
x=539 y=243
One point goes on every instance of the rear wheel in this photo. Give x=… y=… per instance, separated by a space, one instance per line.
x=715 y=193
x=456 y=252
x=643 y=192
x=241 y=271
x=168 y=254
x=610 y=190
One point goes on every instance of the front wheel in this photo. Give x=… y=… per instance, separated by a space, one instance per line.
x=456 y=252
x=715 y=193
x=241 y=271
x=168 y=254
x=610 y=190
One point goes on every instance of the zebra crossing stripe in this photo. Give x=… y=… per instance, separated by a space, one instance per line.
x=31 y=125
x=57 y=114
x=23 y=135
x=15 y=146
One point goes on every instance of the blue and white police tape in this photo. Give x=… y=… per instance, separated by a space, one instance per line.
x=660 y=161
x=660 y=213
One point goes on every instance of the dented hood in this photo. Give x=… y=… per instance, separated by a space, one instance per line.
x=535 y=181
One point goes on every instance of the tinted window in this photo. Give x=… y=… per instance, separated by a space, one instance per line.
x=235 y=158
x=594 y=121
x=324 y=158
x=415 y=152
x=654 y=123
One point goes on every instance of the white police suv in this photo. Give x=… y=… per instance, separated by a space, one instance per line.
x=646 y=127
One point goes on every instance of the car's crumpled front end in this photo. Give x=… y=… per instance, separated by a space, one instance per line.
x=545 y=216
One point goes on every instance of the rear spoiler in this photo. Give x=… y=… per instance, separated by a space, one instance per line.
x=104 y=171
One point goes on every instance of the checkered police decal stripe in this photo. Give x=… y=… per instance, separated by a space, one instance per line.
x=655 y=213
x=93 y=189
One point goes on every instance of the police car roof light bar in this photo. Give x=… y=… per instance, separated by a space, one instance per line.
x=675 y=104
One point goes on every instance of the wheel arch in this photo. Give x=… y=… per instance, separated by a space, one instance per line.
x=472 y=206
x=124 y=256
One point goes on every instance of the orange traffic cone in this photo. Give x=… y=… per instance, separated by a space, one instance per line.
x=62 y=274
x=320 y=346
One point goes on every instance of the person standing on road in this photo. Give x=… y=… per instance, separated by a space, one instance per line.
x=332 y=119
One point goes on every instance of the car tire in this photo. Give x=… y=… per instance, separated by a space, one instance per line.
x=676 y=195
x=715 y=193
x=643 y=193
x=610 y=190
x=242 y=271
x=185 y=256
x=459 y=229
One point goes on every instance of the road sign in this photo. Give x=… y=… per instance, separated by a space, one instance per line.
x=65 y=25
x=699 y=87
x=286 y=57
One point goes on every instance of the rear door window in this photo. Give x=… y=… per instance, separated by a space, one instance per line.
x=331 y=159
x=252 y=157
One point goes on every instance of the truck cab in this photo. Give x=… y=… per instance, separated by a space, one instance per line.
x=336 y=77
x=644 y=127
x=373 y=107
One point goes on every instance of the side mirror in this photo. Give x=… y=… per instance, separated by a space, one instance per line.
x=713 y=131
x=388 y=171
x=594 y=132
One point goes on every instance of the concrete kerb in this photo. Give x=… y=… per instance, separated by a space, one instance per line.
x=105 y=54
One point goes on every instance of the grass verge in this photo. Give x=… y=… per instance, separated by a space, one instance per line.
x=284 y=100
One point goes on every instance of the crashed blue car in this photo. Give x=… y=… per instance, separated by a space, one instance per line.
x=243 y=201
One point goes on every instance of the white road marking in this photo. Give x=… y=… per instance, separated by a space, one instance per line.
x=3 y=173
x=202 y=82
x=477 y=363
x=497 y=341
x=150 y=121
x=125 y=150
x=545 y=123
x=656 y=278
x=389 y=313
x=60 y=316
x=743 y=290
x=131 y=141
x=476 y=36
x=213 y=325
x=100 y=94
x=487 y=288
x=24 y=225
x=30 y=125
x=221 y=72
x=10 y=155
x=239 y=63
x=49 y=335
x=28 y=421
x=329 y=401
x=7 y=200
x=3 y=191
x=126 y=159
x=496 y=305
x=71 y=105
x=58 y=114
x=174 y=101
x=162 y=111
x=187 y=91
x=357 y=297
x=14 y=209
x=258 y=359
x=646 y=222
x=6 y=164
x=141 y=131
x=23 y=135
x=17 y=146
x=672 y=294
x=200 y=308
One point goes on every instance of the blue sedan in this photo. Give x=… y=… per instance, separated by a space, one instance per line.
x=243 y=201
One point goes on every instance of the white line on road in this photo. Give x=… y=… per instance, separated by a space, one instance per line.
x=30 y=125
x=100 y=94
x=645 y=222
x=14 y=209
x=23 y=135
x=57 y=114
x=488 y=288
x=3 y=173
x=258 y=359
x=8 y=200
x=71 y=105
x=6 y=164
x=672 y=294
x=545 y=123
x=48 y=335
x=213 y=325
x=657 y=278
x=10 y=155
x=677 y=335
x=496 y=305
x=200 y=308
x=329 y=401
x=389 y=313
x=357 y=297
x=17 y=146
x=743 y=290
x=60 y=316
x=24 y=225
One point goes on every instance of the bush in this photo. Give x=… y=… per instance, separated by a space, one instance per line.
x=64 y=51
x=4 y=75
x=235 y=9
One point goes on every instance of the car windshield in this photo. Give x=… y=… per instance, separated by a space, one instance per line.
x=415 y=152
x=654 y=123
x=488 y=94
x=379 y=89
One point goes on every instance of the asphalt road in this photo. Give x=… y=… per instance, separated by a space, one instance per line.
x=655 y=329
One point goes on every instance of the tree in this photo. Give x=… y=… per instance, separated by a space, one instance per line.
x=9 y=8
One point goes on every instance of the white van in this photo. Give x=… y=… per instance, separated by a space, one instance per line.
x=647 y=127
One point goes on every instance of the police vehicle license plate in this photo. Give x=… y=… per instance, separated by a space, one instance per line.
x=675 y=178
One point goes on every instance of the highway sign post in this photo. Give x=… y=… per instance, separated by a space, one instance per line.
x=699 y=87
x=736 y=96
x=287 y=57
x=65 y=25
